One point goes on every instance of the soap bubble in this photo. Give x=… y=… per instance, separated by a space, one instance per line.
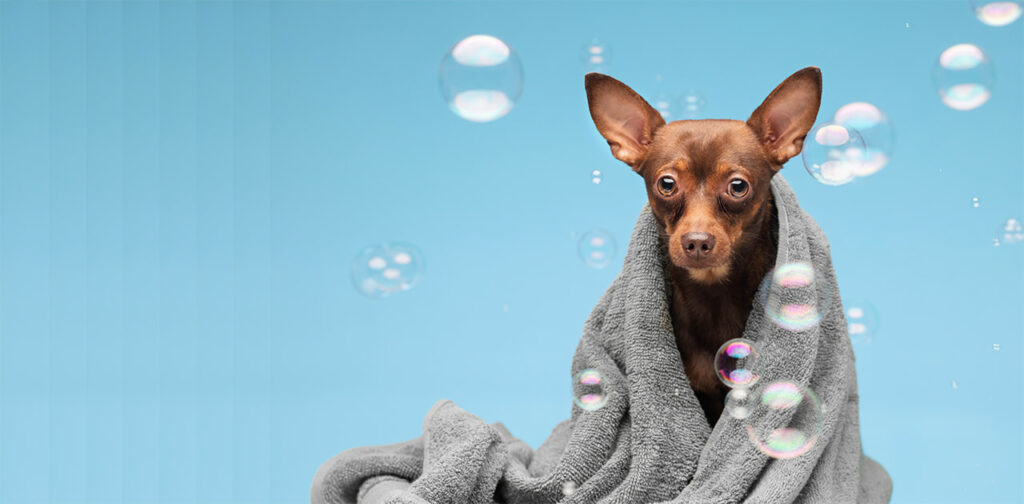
x=861 y=321
x=663 y=104
x=481 y=78
x=663 y=101
x=974 y=202
x=875 y=130
x=588 y=390
x=1012 y=232
x=737 y=403
x=834 y=154
x=790 y=296
x=383 y=269
x=963 y=77
x=595 y=176
x=596 y=56
x=997 y=13
x=692 y=104
x=787 y=420
x=737 y=363
x=597 y=248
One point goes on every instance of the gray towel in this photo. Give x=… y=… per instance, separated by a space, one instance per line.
x=650 y=442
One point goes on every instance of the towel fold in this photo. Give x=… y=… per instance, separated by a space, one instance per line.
x=650 y=441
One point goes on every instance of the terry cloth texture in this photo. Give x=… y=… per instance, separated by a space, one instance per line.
x=650 y=443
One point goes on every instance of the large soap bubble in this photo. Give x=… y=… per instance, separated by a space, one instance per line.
x=876 y=131
x=963 y=77
x=381 y=270
x=833 y=153
x=481 y=78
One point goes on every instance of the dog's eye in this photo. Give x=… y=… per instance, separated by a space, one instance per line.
x=667 y=185
x=738 y=188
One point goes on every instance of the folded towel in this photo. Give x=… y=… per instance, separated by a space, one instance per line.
x=650 y=442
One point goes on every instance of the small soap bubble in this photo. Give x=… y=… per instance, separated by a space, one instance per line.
x=596 y=56
x=963 y=77
x=974 y=202
x=595 y=176
x=737 y=363
x=997 y=13
x=597 y=248
x=662 y=101
x=386 y=268
x=481 y=78
x=861 y=321
x=955 y=385
x=834 y=154
x=663 y=104
x=876 y=131
x=737 y=403
x=1012 y=232
x=995 y=242
x=995 y=346
x=692 y=104
x=790 y=296
x=787 y=421
x=588 y=390
x=568 y=488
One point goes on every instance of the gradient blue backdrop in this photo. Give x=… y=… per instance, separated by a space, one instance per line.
x=183 y=187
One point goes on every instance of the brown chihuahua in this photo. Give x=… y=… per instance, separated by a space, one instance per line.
x=708 y=186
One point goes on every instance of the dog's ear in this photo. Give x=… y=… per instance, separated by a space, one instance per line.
x=785 y=117
x=624 y=119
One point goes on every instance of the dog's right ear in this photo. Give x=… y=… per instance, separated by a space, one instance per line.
x=624 y=119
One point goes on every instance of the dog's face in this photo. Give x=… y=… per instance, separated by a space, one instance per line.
x=707 y=180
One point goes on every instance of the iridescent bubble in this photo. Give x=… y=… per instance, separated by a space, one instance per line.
x=595 y=176
x=386 y=268
x=481 y=78
x=963 y=77
x=692 y=104
x=790 y=296
x=861 y=321
x=737 y=403
x=596 y=56
x=1012 y=232
x=663 y=104
x=974 y=202
x=875 y=130
x=588 y=390
x=834 y=154
x=737 y=363
x=662 y=101
x=997 y=13
x=788 y=420
x=597 y=248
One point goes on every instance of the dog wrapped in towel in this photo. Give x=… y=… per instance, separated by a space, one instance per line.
x=650 y=442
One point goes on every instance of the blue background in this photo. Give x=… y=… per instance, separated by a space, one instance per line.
x=184 y=185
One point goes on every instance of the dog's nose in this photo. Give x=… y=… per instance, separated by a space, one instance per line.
x=698 y=244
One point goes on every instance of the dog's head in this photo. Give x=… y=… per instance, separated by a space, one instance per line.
x=707 y=180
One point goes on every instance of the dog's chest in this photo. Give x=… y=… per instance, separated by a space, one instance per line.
x=701 y=326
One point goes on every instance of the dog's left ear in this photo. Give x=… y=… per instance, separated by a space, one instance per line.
x=785 y=117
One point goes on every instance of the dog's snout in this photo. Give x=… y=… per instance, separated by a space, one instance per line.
x=698 y=245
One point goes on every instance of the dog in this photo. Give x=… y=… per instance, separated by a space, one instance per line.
x=708 y=186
